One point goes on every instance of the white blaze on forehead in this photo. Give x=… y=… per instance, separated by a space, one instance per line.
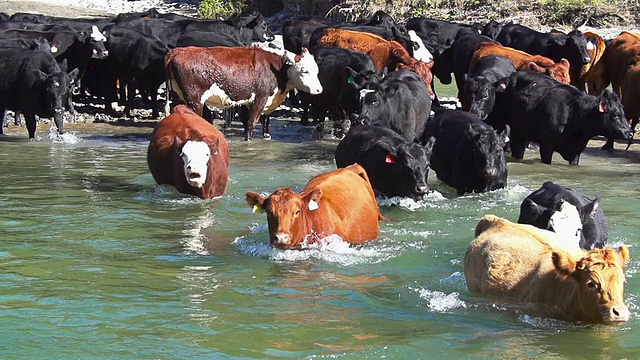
x=566 y=222
x=218 y=98
x=195 y=158
x=364 y=93
x=422 y=53
x=303 y=74
x=96 y=35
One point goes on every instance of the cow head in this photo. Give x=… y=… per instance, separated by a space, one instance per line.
x=423 y=69
x=577 y=46
x=286 y=215
x=420 y=52
x=487 y=155
x=408 y=166
x=196 y=156
x=479 y=95
x=558 y=71
x=612 y=121
x=56 y=91
x=95 y=40
x=599 y=280
x=491 y=29
x=260 y=28
x=303 y=72
x=373 y=105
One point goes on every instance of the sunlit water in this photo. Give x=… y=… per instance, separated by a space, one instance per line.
x=97 y=261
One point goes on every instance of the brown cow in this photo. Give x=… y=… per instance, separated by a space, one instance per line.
x=232 y=76
x=622 y=59
x=339 y=202
x=590 y=77
x=189 y=153
x=524 y=61
x=384 y=53
x=525 y=263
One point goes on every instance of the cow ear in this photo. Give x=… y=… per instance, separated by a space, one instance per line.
x=213 y=145
x=531 y=207
x=428 y=146
x=313 y=198
x=74 y=75
x=40 y=76
x=384 y=73
x=564 y=265
x=623 y=251
x=534 y=67
x=289 y=58
x=501 y=84
x=565 y=62
x=503 y=136
x=255 y=201
x=352 y=74
x=591 y=208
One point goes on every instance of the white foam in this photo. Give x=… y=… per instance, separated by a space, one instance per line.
x=67 y=138
x=441 y=302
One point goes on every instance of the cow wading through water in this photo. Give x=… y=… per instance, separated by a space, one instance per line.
x=522 y=262
x=339 y=202
x=189 y=153
x=232 y=76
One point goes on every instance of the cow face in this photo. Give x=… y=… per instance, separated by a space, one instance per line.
x=578 y=46
x=479 y=95
x=488 y=160
x=286 y=213
x=420 y=52
x=558 y=71
x=261 y=31
x=611 y=117
x=95 y=40
x=56 y=91
x=599 y=280
x=491 y=29
x=195 y=157
x=409 y=168
x=303 y=72
x=373 y=106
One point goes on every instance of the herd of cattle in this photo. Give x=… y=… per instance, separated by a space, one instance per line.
x=374 y=80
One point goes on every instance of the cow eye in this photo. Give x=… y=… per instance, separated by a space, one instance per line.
x=593 y=285
x=416 y=46
x=297 y=212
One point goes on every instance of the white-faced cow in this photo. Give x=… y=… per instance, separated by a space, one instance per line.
x=189 y=153
x=232 y=76
x=536 y=266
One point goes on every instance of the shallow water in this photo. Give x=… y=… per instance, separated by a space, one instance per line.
x=97 y=261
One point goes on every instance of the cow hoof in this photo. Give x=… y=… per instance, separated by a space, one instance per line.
x=266 y=136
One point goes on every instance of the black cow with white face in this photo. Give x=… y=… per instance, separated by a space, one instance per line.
x=468 y=154
x=560 y=118
x=31 y=82
x=400 y=102
x=490 y=75
x=395 y=167
x=568 y=212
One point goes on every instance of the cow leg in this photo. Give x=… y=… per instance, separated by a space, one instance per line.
x=517 y=148
x=546 y=154
x=30 y=120
x=264 y=120
x=17 y=119
x=608 y=145
x=254 y=116
x=3 y=120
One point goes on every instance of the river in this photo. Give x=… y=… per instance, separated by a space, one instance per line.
x=97 y=261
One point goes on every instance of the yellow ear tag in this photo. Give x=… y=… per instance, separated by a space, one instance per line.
x=257 y=209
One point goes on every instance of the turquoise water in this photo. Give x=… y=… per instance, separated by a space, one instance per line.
x=97 y=261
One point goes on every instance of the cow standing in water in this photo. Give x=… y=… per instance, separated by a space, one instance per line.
x=189 y=153
x=232 y=76
x=339 y=202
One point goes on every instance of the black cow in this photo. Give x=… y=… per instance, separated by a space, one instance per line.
x=554 y=45
x=206 y=39
x=401 y=102
x=381 y=19
x=438 y=35
x=490 y=75
x=32 y=83
x=137 y=61
x=395 y=167
x=491 y=29
x=558 y=117
x=296 y=33
x=467 y=155
x=462 y=51
x=342 y=73
x=583 y=220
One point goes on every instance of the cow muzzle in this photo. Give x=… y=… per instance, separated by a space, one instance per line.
x=586 y=60
x=100 y=54
x=195 y=178
x=280 y=240
x=617 y=314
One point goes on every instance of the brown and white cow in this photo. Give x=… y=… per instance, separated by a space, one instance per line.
x=384 y=53
x=189 y=153
x=522 y=262
x=524 y=61
x=232 y=76
x=339 y=202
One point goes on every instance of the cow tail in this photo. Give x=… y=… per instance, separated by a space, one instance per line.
x=167 y=75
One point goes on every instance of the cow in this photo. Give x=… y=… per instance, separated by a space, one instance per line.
x=559 y=117
x=395 y=167
x=536 y=266
x=31 y=82
x=384 y=53
x=400 y=102
x=206 y=39
x=438 y=35
x=342 y=73
x=566 y=211
x=590 y=77
x=490 y=75
x=462 y=51
x=468 y=154
x=231 y=76
x=190 y=154
x=554 y=45
x=524 y=61
x=491 y=29
x=409 y=40
x=296 y=34
x=320 y=210
x=622 y=57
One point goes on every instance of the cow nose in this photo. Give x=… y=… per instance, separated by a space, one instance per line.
x=282 y=239
x=586 y=60
x=491 y=171
x=422 y=189
x=58 y=110
x=619 y=313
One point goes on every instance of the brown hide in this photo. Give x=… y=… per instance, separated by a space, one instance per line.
x=524 y=61
x=622 y=58
x=423 y=70
x=384 y=53
x=346 y=206
x=591 y=74
x=163 y=154
x=522 y=262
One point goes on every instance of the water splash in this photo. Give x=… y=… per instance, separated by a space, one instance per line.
x=441 y=302
x=66 y=138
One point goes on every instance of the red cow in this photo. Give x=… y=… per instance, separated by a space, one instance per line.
x=189 y=153
x=423 y=69
x=524 y=61
x=232 y=76
x=384 y=53
x=339 y=202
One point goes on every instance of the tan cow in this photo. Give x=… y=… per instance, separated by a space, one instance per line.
x=525 y=263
